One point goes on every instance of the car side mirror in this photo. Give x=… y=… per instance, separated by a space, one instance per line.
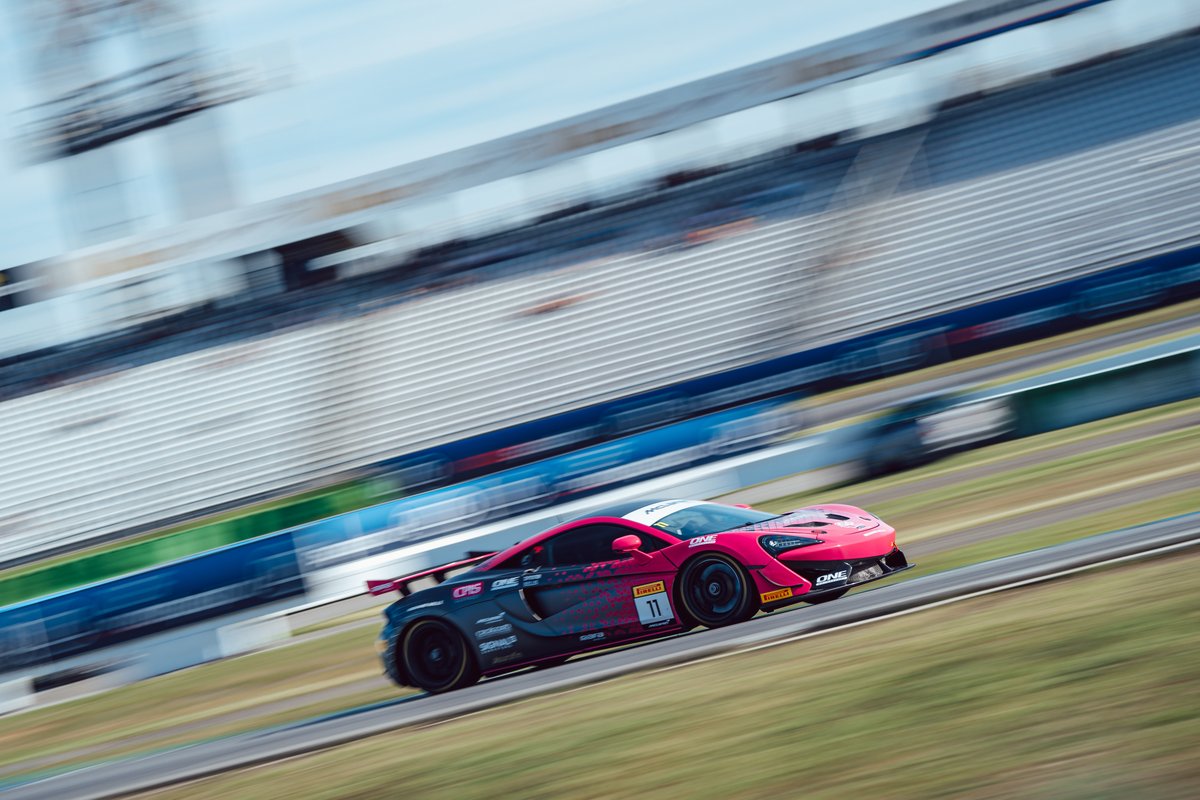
x=630 y=545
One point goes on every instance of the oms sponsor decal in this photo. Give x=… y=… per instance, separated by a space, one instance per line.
x=649 y=588
x=778 y=594
x=468 y=590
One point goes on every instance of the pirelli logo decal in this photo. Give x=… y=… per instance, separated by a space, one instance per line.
x=649 y=588
x=778 y=594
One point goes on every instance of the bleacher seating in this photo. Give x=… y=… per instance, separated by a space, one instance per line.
x=268 y=414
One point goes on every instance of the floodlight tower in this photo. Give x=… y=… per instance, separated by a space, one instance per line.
x=78 y=115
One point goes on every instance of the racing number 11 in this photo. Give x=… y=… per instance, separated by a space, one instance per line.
x=653 y=608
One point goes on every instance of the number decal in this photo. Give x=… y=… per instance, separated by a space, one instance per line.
x=653 y=606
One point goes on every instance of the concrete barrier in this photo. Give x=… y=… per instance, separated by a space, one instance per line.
x=16 y=694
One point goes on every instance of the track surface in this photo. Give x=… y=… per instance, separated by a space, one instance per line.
x=128 y=776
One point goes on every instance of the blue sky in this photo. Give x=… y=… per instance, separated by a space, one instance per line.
x=374 y=83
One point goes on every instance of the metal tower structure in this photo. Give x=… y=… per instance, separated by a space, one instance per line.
x=67 y=44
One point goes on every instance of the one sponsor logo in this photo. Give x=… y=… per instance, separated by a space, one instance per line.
x=426 y=605
x=490 y=620
x=497 y=644
x=777 y=594
x=699 y=540
x=592 y=637
x=467 y=590
x=505 y=583
x=649 y=588
x=494 y=630
x=832 y=577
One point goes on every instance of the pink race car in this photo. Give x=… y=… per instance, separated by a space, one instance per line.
x=635 y=571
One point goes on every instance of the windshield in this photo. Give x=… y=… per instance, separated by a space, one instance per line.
x=705 y=518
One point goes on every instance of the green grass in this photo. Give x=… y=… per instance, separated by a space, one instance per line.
x=1186 y=502
x=1084 y=688
x=205 y=701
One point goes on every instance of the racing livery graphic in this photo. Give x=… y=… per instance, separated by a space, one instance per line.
x=634 y=571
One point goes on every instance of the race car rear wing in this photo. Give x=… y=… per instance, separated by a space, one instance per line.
x=438 y=574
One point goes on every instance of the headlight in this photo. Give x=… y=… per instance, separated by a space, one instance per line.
x=776 y=544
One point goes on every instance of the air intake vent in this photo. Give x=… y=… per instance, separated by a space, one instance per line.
x=837 y=516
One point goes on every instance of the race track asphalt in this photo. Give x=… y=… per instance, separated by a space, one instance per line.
x=171 y=767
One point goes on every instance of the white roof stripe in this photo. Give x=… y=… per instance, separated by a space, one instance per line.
x=648 y=515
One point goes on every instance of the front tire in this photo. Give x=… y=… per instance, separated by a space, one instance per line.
x=716 y=591
x=435 y=657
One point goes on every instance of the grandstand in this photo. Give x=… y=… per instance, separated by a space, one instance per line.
x=805 y=246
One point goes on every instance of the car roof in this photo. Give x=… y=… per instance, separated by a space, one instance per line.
x=621 y=509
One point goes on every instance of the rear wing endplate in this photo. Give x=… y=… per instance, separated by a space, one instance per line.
x=438 y=573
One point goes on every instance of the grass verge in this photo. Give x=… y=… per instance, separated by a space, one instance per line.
x=1084 y=688
x=222 y=697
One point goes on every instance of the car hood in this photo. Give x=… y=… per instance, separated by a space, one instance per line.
x=825 y=521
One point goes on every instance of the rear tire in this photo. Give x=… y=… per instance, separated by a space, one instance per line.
x=715 y=591
x=435 y=657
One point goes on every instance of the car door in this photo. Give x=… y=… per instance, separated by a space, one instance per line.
x=589 y=592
